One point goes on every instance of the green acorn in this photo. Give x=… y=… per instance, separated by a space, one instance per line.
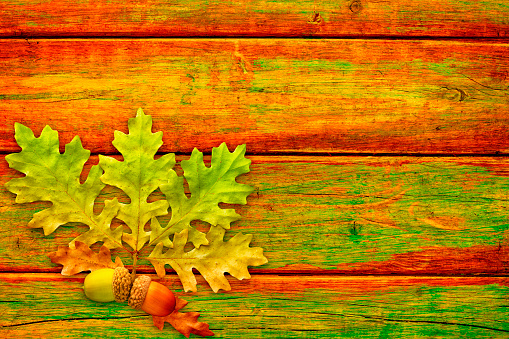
x=107 y=284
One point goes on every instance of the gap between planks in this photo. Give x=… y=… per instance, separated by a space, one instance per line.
x=331 y=273
x=325 y=154
x=319 y=280
x=257 y=37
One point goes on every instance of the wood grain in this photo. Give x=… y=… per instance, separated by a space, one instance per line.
x=326 y=18
x=48 y=305
x=359 y=246
x=348 y=215
x=320 y=96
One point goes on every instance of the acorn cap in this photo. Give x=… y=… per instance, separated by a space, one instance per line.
x=108 y=284
x=139 y=291
x=122 y=282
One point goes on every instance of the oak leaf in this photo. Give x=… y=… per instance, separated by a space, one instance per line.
x=208 y=186
x=185 y=323
x=212 y=261
x=81 y=258
x=138 y=175
x=55 y=177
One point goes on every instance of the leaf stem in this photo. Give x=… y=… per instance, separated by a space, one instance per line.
x=135 y=261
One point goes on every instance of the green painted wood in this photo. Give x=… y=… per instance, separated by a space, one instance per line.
x=276 y=95
x=379 y=215
x=319 y=18
x=48 y=305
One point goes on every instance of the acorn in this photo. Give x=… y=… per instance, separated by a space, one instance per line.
x=107 y=284
x=151 y=297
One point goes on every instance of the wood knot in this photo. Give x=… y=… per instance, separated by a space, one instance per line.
x=355 y=6
x=455 y=94
x=316 y=19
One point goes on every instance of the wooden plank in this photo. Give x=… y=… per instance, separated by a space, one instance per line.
x=276 y=95
x=48 y=305
x=326 y=18
x=351 y=215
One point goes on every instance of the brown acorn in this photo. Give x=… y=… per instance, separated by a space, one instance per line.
x=151 y=297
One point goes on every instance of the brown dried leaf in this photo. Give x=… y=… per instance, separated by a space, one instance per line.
x=81 y=258
x=185 y=323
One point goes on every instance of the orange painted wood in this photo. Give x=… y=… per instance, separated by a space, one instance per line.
x=323 y=18
x=277 y=95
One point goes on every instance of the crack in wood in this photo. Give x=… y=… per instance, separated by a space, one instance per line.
x=72 y=319
x=415 y=321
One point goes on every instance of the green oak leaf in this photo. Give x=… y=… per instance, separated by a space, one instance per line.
x=212 y=261
x=55 y=177
x=138 y=175
x=209 y=186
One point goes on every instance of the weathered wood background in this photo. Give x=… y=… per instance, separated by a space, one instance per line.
x=379 y=138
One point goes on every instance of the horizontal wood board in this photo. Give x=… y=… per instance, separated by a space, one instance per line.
x=277 y=95
x=48 y=305
x=275 y=18
x=348 y=215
